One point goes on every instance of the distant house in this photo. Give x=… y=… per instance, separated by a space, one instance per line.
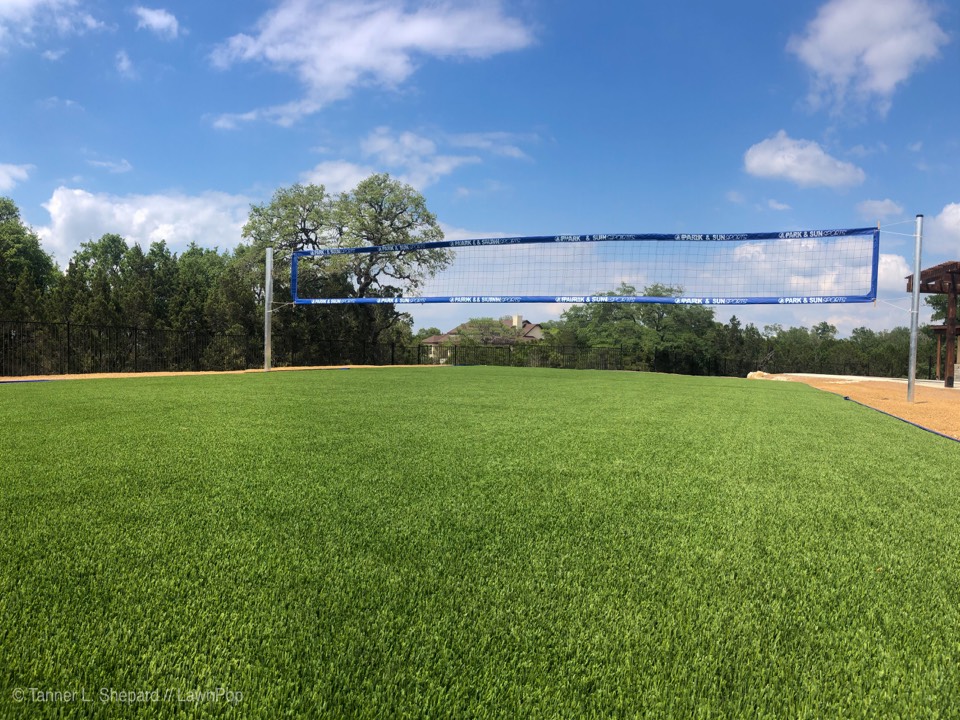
x=528 y=331
x=508 y=330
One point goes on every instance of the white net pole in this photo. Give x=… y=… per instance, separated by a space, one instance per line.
x=915 y=311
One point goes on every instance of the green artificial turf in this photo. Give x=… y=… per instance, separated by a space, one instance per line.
x=472 y=542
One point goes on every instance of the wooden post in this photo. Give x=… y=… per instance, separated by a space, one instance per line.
x=939 y=355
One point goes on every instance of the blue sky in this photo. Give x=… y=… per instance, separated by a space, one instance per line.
x=166 y=120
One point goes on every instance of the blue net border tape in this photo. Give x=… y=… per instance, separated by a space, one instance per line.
x=578 y=299
x=622 y=237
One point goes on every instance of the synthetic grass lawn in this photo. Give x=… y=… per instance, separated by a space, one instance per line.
x=472 y=542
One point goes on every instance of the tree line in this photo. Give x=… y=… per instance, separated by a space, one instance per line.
x=110 y=282
x=688 y=339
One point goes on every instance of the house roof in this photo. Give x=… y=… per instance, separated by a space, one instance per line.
x=529 y=327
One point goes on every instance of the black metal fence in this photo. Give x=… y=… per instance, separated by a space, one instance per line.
x=28 y=348
x=68 y=348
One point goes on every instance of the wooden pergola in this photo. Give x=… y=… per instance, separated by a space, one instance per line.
x=943 y=279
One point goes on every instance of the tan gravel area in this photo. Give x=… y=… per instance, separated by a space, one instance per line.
x=934 y=407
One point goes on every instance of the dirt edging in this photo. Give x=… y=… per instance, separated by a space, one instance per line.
x=935 y=408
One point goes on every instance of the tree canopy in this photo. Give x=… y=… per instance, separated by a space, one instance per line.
x=27 y=273
x=379 y=211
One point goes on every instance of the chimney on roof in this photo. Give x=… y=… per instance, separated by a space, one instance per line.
x=517 y=322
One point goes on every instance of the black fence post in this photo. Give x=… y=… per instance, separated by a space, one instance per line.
x=68 y=348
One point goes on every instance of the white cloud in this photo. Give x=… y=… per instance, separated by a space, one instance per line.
x=803 y=162
x=22 y=21
x=497 y=143
x=415 y=157
x=941 y=234
x=211 y=219
x=879 y=209
x=54 y=102
x=12 y=175
x=231 y=121
x=335 y=46
x=337 y=176
x=125 y=65
x=53 y=55
x=863 y=151
x=735 y=197
x=158 y=21
x=123 y=166
x=777 y=205
x=915 y=146
x=864 y=49
x=410 y=157
x=891 y=275
x=398 y=149
x=485 y=189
